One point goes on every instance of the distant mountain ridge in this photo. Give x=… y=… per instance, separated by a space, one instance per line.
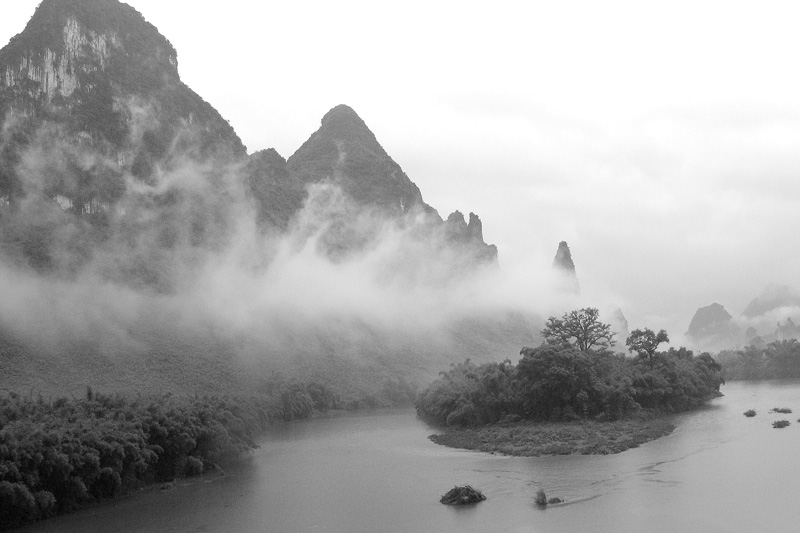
x=93 y=76
x=119 y=181
x=345 y=152
x=768 y=317
x=772 y=298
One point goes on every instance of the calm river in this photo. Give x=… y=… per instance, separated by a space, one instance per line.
x=378 y=472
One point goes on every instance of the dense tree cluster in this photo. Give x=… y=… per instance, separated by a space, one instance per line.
x=776 y=360
x=560 y=381
x=56 y=455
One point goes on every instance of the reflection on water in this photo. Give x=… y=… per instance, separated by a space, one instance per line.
x=371 y=472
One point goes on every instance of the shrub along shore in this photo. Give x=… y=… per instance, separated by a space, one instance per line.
x=561 y=398
x=59 y=455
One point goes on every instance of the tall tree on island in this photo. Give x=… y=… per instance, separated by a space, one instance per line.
x=580 y=328
x=645 y=343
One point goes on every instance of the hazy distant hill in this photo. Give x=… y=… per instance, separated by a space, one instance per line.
x=712 y=327
x=768 y=317
x=774 y=297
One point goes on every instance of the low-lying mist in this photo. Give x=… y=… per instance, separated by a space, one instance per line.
x=105 y=271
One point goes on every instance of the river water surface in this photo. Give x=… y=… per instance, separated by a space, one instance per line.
x=378 y=472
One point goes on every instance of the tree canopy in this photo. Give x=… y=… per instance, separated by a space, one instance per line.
x=644 y=342
x=580 y=328
x=559 y=382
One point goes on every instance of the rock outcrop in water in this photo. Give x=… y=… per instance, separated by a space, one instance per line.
x=463 y=495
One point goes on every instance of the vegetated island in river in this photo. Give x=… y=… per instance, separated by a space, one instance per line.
x=570 y=395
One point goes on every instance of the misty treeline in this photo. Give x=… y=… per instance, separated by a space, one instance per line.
x=57 y=455
x=774 y=360
x=573 y=375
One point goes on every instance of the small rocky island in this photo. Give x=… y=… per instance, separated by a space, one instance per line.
x=463 y=495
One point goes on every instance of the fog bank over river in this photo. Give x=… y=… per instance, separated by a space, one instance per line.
x=377 y=471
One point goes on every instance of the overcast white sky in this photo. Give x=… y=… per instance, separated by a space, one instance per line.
x=663 y=143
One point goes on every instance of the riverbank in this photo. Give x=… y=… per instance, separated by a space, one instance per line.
x=557 y=438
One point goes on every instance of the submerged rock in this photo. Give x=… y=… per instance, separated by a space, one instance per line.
x=750 y=413
x=778 y=424
x=462 y=496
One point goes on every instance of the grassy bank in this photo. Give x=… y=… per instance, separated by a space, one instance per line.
x=557 y=438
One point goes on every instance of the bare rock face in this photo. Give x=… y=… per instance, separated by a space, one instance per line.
x=95 y=74
x=563 y=260
x=469 y=235
x=564 y=265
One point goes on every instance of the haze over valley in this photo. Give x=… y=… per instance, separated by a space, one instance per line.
x=667 y=166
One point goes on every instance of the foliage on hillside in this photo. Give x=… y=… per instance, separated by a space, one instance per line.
x=558 y=381
x=776 y=360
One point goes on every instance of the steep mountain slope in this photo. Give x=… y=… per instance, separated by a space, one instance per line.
x=565 y=266
x=101 y=75
x=133 y=254
x=96 y=122
x=346 y=152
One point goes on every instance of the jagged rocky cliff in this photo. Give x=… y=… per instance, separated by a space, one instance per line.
x=565 y=269
x=346 y=154
x=96 y=123
x=95 y=73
